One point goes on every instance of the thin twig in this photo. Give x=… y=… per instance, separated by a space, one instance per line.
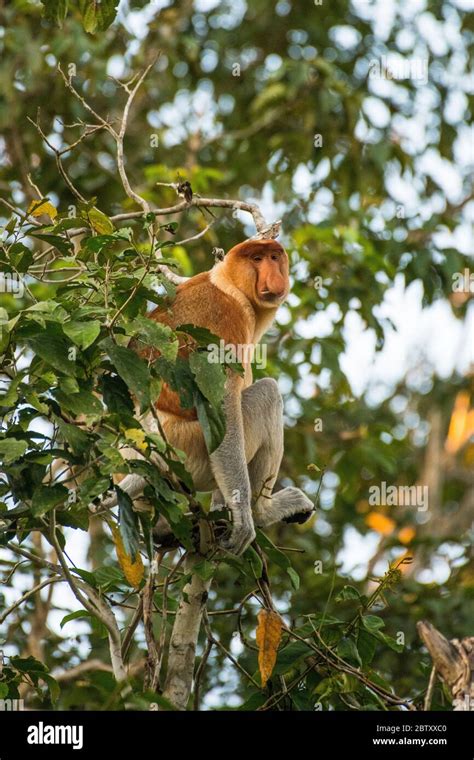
x=27 y=595
x=430 y=690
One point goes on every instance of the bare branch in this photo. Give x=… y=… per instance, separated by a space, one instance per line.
x=71 y=88
x=24 y=217
x=121 y=134
x=59 y=163
x=27 y=595
x=79 y=670
x=94 y=604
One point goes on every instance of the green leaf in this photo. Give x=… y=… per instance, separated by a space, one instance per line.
x=210 y=378
x=390 y=641
x=132 y=370
x=116 y=395
x=55 y=10
x=74 y=616
x=75 y=437
x=347 y=649
x=128 y=522
x=48 y=497
x=52 y=684
x=97 y=219
x=27 y=664
x=366 y=646
x=86 y=576
x=3 y=690
x=255 y=562
x=20 y=256
x=156 y=335
x=11 y=225
x=200 y=334
x=83 y=402
x=294 y=578
x=83 y=334
x=257 y=699
x=347 y=592
x=11 y=449
x=97 y=16
x=372 y=622
x=62 y=244
x=290 y=656
x=108 y=577
x=212 y=422
x=204 y=569
x=274 y=554
x=54 y=350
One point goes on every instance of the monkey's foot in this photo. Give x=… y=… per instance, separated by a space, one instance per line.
x=241 y=536
x=288 y=505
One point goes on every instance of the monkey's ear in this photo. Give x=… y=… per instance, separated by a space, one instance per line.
x=218 y=254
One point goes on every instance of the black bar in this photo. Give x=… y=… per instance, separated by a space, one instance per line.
x=129 y=734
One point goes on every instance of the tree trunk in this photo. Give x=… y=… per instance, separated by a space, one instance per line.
x=182 y=648
x=454 y=661
x=187 y=623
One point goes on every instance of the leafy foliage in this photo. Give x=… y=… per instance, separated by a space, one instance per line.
x=69 y=374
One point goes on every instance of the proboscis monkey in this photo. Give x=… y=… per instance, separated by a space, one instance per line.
x=236 y=300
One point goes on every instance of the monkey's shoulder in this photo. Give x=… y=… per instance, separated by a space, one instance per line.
x=202 y=303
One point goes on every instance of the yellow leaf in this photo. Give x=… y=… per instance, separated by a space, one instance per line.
x=36 y=208
x=380 y=523
x=133 y=571
x=469 y=455
x=406 y=534
x=268 y=640
x=138 y=437
x=461 y=425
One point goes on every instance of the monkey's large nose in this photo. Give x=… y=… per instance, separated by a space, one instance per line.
x=270 y=295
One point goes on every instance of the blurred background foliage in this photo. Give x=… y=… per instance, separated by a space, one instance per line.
x=277 y=102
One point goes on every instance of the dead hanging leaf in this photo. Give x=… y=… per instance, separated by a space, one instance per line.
x=36 y=208
x=268 y=640
x=133 y=571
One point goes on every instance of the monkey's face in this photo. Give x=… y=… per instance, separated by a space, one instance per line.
x=260 y=269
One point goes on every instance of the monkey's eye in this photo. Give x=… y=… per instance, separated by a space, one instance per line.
x=256 y=258
x=275 y=258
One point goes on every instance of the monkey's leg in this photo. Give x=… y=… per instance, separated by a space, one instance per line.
x=229 y=467
x=262 y=408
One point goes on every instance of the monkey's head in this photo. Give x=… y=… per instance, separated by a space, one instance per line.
x=259 y=268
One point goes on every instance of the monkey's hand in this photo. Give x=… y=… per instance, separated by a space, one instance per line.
x=242 y=533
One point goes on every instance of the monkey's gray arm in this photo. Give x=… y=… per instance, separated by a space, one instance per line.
x=230 y=470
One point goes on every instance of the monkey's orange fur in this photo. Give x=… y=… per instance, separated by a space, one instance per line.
x=230 y=302
x=237 y=301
